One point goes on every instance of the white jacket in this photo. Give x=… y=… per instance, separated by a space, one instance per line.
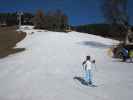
x=88 y=65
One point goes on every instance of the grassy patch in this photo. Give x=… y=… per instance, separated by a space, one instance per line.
x=9 y=37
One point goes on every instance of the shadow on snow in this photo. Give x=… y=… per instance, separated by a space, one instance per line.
x=83 y=82
x=95 y=44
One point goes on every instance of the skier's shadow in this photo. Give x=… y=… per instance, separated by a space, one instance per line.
x=82 y=81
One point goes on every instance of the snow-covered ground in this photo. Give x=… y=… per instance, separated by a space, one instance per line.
x=45 y=70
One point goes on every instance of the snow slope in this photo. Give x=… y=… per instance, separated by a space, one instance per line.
x=45 y=70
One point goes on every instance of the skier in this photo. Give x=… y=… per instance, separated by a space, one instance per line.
x=87 y=67
x=125 y=54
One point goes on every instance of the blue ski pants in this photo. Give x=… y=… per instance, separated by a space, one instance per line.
x=88 y=76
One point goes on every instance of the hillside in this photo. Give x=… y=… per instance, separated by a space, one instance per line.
x=45 y=70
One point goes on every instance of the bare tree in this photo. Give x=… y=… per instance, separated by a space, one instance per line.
x=53 y=20
x=57 y=20
x=115 y=13
x=39 y=20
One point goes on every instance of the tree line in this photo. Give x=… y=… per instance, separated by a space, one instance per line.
x=104 y=29
x=8 y=19
x=11 y=18
x=52 y=20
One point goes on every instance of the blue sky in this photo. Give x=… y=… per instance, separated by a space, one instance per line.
x=79 y=11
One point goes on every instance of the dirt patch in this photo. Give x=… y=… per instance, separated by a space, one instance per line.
x=9 y=37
